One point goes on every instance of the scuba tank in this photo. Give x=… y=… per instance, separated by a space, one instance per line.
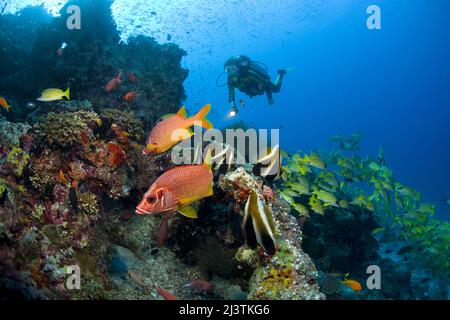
x=245 y=62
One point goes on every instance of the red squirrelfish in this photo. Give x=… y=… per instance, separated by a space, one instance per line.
x=132 y=77
x=166 y=294
x=128 y=97
x=175 y=128
x=114 y=83
x=175 y=189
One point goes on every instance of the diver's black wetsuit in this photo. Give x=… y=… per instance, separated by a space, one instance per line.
x=251 y=78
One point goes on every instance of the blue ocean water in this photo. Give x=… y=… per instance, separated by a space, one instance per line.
x=390 y=84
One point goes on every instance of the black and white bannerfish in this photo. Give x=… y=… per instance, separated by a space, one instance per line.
x=269 y=166
x=258 y=225
x=223 y=155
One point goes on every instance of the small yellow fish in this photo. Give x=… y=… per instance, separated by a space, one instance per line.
x=287 y=198
x=343 y=204
x=370 y=206
x=362 y=201
x=54 y=94
x=304 y=181
x=326 y=197
x=288 y=195
x=427 y=208
x=329 y=179
x=314 y=161
x=359 y=200
x=301 y=209
x=408 y=192
x=347 y=164
x=316 y=205
x=299 y=187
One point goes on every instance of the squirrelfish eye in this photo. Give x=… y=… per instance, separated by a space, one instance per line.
x=151 y=199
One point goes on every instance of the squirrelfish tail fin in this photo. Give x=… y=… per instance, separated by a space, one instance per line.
x=201 y=117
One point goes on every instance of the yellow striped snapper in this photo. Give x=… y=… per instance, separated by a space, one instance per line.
x=316 y=205
x=54 y=94
x=301 y=209
x=313 y=160
x=326 y=197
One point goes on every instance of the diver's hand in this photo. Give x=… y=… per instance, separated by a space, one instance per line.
x=232 y=104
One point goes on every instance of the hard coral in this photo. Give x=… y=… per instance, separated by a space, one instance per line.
x=67 y=128
x=10 y=132
x=44 y=170
x=18 y=159
x=88 y=203
x=126 y=120
x=239 y=183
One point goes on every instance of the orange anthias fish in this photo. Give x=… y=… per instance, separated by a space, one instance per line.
x=62 y=177
x=175 y=189
x=117 y=155
x=132 y=77
x=175 y=128
x=4 y=103
x=200 y=285
x=114 y=83
x=128 y=97
x=352 y=284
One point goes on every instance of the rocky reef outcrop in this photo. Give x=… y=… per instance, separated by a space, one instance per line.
x=31 y=63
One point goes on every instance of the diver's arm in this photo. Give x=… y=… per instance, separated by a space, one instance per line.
x=231 y=95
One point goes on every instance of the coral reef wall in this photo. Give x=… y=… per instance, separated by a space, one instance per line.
x=93 y=56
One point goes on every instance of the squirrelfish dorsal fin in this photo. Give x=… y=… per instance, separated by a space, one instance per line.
x=182 y=112
x=163 y=117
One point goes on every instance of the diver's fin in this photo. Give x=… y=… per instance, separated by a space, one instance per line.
x=201 y=117
x=182 y=112
x=188 y=211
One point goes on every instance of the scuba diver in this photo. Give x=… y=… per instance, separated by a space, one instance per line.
x=250 y=77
